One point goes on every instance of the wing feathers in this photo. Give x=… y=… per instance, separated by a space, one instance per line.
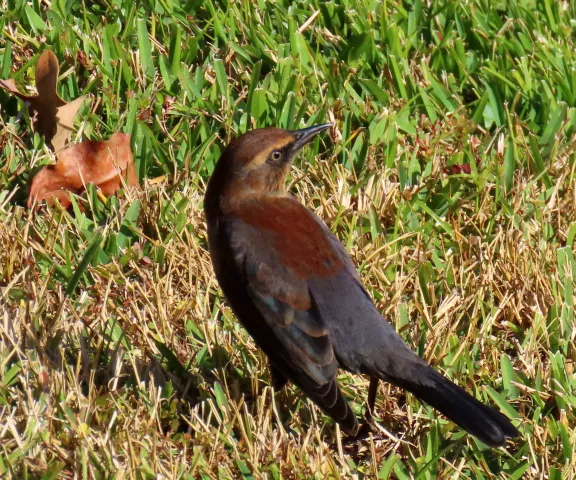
x=276 y=268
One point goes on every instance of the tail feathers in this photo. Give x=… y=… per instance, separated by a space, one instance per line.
x=482 y=421
x=330 y=399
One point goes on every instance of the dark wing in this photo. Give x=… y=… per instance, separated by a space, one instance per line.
x=275 y=253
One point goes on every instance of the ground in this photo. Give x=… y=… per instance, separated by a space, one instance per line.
x=449 y=175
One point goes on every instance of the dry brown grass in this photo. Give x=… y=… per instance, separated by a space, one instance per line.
x=146 y=370
x=130 y=364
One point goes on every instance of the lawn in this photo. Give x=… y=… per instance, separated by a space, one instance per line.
x=450 y=176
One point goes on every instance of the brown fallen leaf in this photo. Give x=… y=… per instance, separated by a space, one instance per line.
x=106 y=164
x=54 y=117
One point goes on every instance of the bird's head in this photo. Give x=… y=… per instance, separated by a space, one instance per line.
x=258 y=161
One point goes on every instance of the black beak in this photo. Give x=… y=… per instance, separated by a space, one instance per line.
x=304 y=136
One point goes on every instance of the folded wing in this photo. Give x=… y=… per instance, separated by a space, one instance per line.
x=276 y=253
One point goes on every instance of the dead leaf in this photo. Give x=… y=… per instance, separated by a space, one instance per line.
x=65 y=122
x=107 y=164
x=54 y=117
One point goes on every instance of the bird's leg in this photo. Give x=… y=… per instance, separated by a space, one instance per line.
x=368 y=416
x=372 y=391
x=365 y=429
x=278 y=378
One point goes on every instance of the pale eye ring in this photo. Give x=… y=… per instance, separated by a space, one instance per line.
x=276 y=155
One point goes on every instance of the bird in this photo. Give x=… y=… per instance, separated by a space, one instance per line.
x=291 y=284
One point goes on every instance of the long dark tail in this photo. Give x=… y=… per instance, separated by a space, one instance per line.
x=482 y=421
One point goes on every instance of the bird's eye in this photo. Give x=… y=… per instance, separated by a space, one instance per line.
x=276 y=155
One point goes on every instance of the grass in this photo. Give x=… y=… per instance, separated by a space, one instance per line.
x=118 y=355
